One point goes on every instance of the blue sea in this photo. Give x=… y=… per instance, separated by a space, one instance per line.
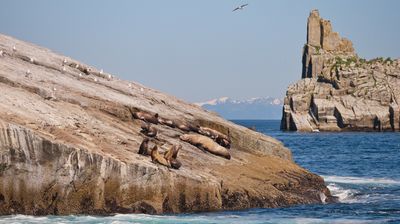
x=362 y=169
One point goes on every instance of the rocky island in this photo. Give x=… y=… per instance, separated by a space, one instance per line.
x=340 y=90
x=70 y=136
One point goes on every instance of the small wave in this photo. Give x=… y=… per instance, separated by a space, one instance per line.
x=332 y=221
x=343 y=195
x=359 y=180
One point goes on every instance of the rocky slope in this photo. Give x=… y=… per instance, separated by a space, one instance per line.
x=69 y=145
x=339 y=90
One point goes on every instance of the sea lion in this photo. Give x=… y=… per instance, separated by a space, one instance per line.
x=156 y=157
x=176 y=150
x=163 y=121
x=181 y=125
x=144 y=147
x=220 y=138
x=149 y=130
x=171 y=156
x=146 y=117
x=223 y=142
x=186 y=127
x=176 y=164
x=206 y=143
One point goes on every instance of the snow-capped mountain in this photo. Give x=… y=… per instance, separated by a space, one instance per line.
x=254 y=108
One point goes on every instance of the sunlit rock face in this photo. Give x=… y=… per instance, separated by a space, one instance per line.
x=69 y=145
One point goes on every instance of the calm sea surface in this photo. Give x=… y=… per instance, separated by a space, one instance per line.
x=362 y=169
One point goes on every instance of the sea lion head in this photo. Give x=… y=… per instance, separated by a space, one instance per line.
x=175 y=164
x=184 y=137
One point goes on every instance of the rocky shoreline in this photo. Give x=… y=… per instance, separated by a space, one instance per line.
x=69 y=145
x=339 y=91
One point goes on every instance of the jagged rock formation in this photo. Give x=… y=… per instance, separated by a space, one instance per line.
x=69 y=145
x=338 y=89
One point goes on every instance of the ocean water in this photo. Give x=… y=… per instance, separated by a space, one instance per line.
x=361 y=169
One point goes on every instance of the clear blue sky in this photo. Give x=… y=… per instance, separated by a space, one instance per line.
x=197 y=50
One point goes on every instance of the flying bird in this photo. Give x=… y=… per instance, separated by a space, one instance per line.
x=240 y=7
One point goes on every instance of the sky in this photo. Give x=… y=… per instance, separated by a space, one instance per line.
x=199 y=50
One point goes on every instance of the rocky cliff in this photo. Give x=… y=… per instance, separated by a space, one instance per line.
x=69 y=145
x=339 y=90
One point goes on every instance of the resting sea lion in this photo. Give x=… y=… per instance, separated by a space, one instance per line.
x=186 y=127
x=206 y=143
x=223 y=142
x=182 y=126
x=171 y=156
x=206 y=132
x=149 y=130
x=220 y=138
x=156 y=157
x=144 y=147
x=166 y=122
x=146 y=117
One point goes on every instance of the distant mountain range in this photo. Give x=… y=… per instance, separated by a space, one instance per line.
x=254 y=108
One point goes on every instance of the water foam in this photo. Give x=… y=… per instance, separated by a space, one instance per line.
x=343 y=195
x=359 y=180
x=139 y=218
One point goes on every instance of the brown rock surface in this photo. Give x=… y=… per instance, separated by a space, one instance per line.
x=68 y=145
x=339 y=90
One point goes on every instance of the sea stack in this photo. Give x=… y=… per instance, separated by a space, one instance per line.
x=340 y=90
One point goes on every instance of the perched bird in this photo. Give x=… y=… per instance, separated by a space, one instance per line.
x=80 y=75
x=53 y=94
x=14 y=48
x=32 y=60
x=141 y=89
x=95 y=79
x=28 y=73
x=101 y=71
x=1 y=53
x=130 y=85
x=240 y=7
x=64 y=69
x=64 y=61
x=76 y=66
x=109 y=77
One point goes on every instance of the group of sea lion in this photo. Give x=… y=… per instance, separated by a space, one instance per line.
x=170 y=156
x=207 y=139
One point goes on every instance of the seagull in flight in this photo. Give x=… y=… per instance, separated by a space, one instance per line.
x=240 y=7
